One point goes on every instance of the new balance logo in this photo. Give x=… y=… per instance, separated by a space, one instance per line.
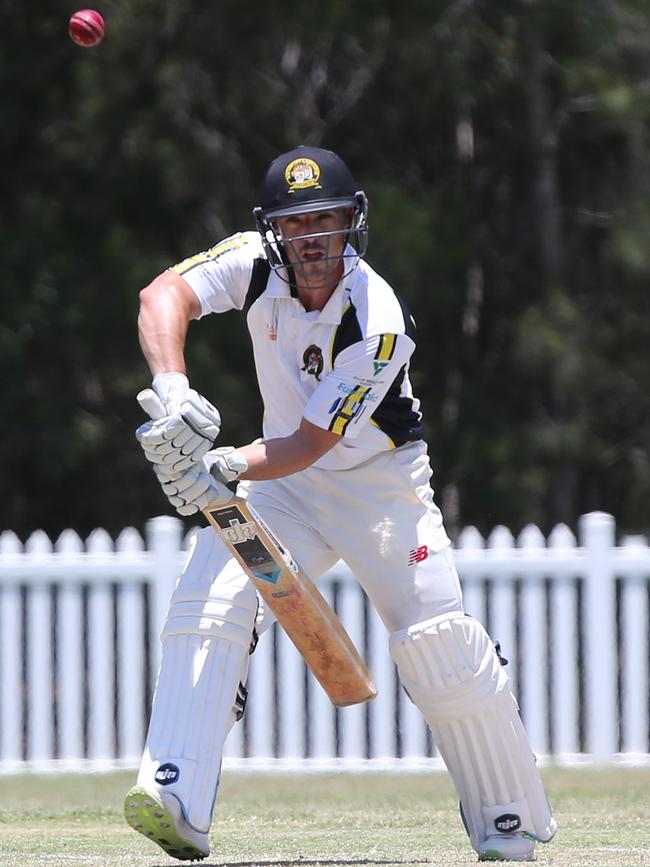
x=417 y=555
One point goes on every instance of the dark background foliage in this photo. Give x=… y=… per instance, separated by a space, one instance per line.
x=504 y=147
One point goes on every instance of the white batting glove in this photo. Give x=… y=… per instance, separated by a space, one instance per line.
x=194 y=490
x=171 y=388
x=183 y=436
x=225 y=464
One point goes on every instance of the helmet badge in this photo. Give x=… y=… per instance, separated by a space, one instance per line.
x=301 y=174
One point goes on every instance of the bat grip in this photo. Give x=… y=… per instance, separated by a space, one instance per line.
x=151 y=404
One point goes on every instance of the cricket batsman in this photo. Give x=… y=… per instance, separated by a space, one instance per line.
x=341 y=472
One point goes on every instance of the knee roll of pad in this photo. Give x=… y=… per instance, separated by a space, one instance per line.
x=451 y=671
x=213 y=596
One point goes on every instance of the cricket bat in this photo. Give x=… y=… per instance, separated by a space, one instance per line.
x=297 y=604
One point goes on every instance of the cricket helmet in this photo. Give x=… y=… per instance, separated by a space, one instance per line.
x=302 y=181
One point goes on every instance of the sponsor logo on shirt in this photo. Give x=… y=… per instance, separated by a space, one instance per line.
x=385 y=351
x=348 y=389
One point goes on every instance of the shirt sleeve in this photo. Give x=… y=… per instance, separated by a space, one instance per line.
x=220 y=276
x=347 y=397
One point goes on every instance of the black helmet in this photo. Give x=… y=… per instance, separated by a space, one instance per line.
x=304 y=180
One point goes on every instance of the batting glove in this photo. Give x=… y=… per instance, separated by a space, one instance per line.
x=172 y=389
x=225 y=464
x=194 y=490
x=180 y=439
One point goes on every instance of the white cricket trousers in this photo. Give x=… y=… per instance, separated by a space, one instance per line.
x=381 y=519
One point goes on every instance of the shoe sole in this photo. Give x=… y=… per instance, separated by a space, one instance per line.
x=495 y=855
x=149 y=817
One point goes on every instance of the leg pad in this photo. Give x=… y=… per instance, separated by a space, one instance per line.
x=206 y=643
x=449 y=667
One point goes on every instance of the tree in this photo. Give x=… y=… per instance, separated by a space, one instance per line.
x=504 y=149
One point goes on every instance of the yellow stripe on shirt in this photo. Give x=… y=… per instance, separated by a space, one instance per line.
x=210 y=255
x=348 y=409
x=386 y=347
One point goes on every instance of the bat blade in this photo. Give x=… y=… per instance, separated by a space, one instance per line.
x=297 y=604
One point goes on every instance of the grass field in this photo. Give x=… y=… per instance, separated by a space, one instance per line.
x=329 y=820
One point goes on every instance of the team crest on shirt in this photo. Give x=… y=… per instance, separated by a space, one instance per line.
x=312 y=359
x=302 y=174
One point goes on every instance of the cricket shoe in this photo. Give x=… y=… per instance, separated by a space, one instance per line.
x=159 y=817
x=507 y=847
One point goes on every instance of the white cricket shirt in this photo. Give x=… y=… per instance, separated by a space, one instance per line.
x=344 y=368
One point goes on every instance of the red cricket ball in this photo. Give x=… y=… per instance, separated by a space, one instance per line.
x=86 y=27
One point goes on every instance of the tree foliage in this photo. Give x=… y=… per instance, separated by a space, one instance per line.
x=504 y=149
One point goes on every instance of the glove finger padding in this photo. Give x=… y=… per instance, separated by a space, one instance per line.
x=181 y=439
x=168 y=432
x=194 y=490
x=166 y=473
x=193 y=449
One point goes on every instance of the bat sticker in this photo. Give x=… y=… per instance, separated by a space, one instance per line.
x=242 y=535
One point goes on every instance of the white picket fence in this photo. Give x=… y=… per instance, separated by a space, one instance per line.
x=79 y=650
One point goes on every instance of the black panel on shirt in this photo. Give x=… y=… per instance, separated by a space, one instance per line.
x=347 y=333
x=409 y=322
x=394 y=415
x=258 y=283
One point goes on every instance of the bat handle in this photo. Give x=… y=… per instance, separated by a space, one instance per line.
x=151 y=404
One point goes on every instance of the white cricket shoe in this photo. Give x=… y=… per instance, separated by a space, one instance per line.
x=507 y=847
x=159 y=817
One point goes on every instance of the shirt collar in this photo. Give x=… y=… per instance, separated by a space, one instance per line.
x=277 y=287
x=333 y=310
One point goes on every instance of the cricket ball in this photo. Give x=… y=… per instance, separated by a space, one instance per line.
x=86 y=28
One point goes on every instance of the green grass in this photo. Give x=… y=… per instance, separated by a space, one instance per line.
x=329 y=820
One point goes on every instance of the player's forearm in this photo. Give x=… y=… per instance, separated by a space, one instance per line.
x=165 y=312
x=276 y=458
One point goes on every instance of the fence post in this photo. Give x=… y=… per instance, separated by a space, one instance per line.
x=597 y=532
x=634 y=661
x=164 y=542
x=12 y=642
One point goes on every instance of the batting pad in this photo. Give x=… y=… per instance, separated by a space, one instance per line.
x=205 y=651
x=451 y=671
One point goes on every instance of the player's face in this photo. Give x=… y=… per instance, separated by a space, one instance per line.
x=314 y=244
